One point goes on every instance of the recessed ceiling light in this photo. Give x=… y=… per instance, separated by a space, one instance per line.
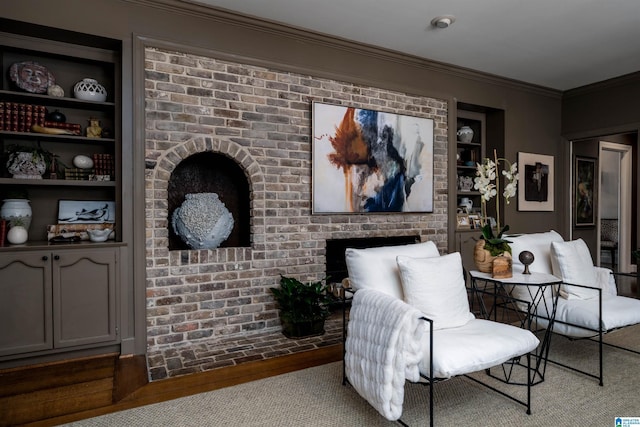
x=443 y=21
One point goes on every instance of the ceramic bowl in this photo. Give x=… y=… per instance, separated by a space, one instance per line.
x=99 y=235
x=90 y=90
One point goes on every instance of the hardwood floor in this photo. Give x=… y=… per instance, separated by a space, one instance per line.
x=172 y=388
x=48 y=390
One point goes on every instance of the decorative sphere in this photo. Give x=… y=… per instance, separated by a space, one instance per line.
x=526 y=258
x=82 y=162
x=55 y=90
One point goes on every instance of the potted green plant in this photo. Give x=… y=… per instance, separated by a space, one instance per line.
x=495 y=244
x=487 y=181
x=304 y=307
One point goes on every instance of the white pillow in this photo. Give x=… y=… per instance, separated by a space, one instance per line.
x=436 y=287
x=376 y=268
x=539 y=244
x=572 y=263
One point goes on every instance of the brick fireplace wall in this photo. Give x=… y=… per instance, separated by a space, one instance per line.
x=261 y=118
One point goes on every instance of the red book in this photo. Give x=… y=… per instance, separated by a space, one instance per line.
x=3 y=231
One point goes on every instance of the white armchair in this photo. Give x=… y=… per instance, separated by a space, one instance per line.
x=588 y=306
x=410 y=320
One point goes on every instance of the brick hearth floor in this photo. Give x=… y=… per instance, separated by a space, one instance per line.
x=182 y=359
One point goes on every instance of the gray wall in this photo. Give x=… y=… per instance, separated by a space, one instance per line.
x=532 y=114
x=605 y=111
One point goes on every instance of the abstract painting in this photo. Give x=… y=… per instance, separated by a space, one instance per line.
x=535 y=191
x=584 y=191
x=367 y=161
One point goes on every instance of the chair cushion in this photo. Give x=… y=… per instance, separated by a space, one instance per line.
x=617 y=312
x=436 y=287
x=571 y=261
x=376 y=268
x=477 y=345
x=539 y=244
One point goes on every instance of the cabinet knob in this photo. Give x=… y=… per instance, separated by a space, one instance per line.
x=45 y=258
x=56 y=257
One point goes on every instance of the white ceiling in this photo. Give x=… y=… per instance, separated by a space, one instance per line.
x=559 y=44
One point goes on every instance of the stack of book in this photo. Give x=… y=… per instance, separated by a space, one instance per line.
x=77 y=174
x=17 y=117
x=103 y=166
x=72 y=127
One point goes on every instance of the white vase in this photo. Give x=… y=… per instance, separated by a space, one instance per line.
x=202 y=221
x=16 y=212
x=467 y=203
x=17 y=235
x=465 y=134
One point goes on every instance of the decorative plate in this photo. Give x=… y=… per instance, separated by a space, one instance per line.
x=31 y=76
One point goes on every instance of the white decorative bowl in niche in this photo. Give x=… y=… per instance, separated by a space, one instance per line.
x=99 y=235
x=90 y=90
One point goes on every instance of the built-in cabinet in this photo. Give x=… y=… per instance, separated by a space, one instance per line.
x=468 y=154
x=487 y=126
x=69 y=64
x=58 y=298
x=63 y=296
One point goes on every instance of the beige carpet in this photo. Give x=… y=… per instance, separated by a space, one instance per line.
x=316 y=397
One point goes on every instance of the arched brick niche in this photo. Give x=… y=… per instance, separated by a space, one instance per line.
x=209 y=172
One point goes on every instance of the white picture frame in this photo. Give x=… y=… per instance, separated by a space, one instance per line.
x=86 y=211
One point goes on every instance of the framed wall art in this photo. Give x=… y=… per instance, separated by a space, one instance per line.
x=535 y=186
x=86 y=211
x=584 y=191
x=367 y=161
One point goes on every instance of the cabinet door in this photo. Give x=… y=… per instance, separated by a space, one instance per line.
x=25 y=302
x=84 y=297
x=465 y=243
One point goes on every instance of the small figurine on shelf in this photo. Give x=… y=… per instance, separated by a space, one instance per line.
x=53 y=169
x=94 y=130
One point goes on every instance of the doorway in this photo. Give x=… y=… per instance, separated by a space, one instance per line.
x=615 y=206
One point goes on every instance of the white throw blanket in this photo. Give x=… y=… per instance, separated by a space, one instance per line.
x=383 y=349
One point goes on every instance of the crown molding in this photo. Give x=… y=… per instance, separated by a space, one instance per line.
x=627 y=79
x=194 y=9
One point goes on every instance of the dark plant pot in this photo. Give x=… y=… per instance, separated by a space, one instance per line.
x=306 y=329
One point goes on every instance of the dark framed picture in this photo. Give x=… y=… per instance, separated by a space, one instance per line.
x=368 y=161
x=585 y=191
x=535 y=187
x=86 y=211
